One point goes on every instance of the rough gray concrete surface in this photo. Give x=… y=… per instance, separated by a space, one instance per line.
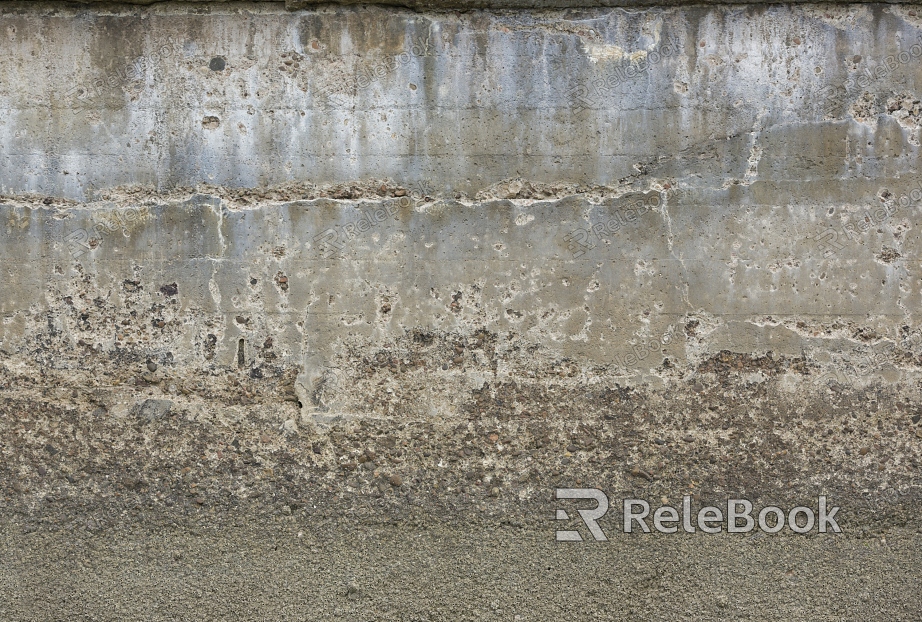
x=465 y=5
x=306 y=313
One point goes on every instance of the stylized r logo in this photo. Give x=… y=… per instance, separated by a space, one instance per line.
x=589 y=516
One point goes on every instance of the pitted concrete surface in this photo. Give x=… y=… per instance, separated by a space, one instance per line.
x=462 y=5
x=389 y=278
x=728 y=100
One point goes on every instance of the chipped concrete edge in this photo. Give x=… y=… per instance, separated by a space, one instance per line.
x=463 y=5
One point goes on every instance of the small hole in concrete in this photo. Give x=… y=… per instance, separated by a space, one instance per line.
x=241 y=357
x=217 y=64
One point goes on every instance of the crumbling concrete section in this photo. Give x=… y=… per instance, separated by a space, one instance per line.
x=364 y=273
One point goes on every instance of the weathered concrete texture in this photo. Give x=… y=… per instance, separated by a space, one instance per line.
x=449 y=335
x=466 y=5
x=365 y=265
x=465 y=101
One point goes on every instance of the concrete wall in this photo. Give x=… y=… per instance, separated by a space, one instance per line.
x=451 y=260
x=350 y=288
x=341 y=95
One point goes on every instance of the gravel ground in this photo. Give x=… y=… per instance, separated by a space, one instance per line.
x=288 y=568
